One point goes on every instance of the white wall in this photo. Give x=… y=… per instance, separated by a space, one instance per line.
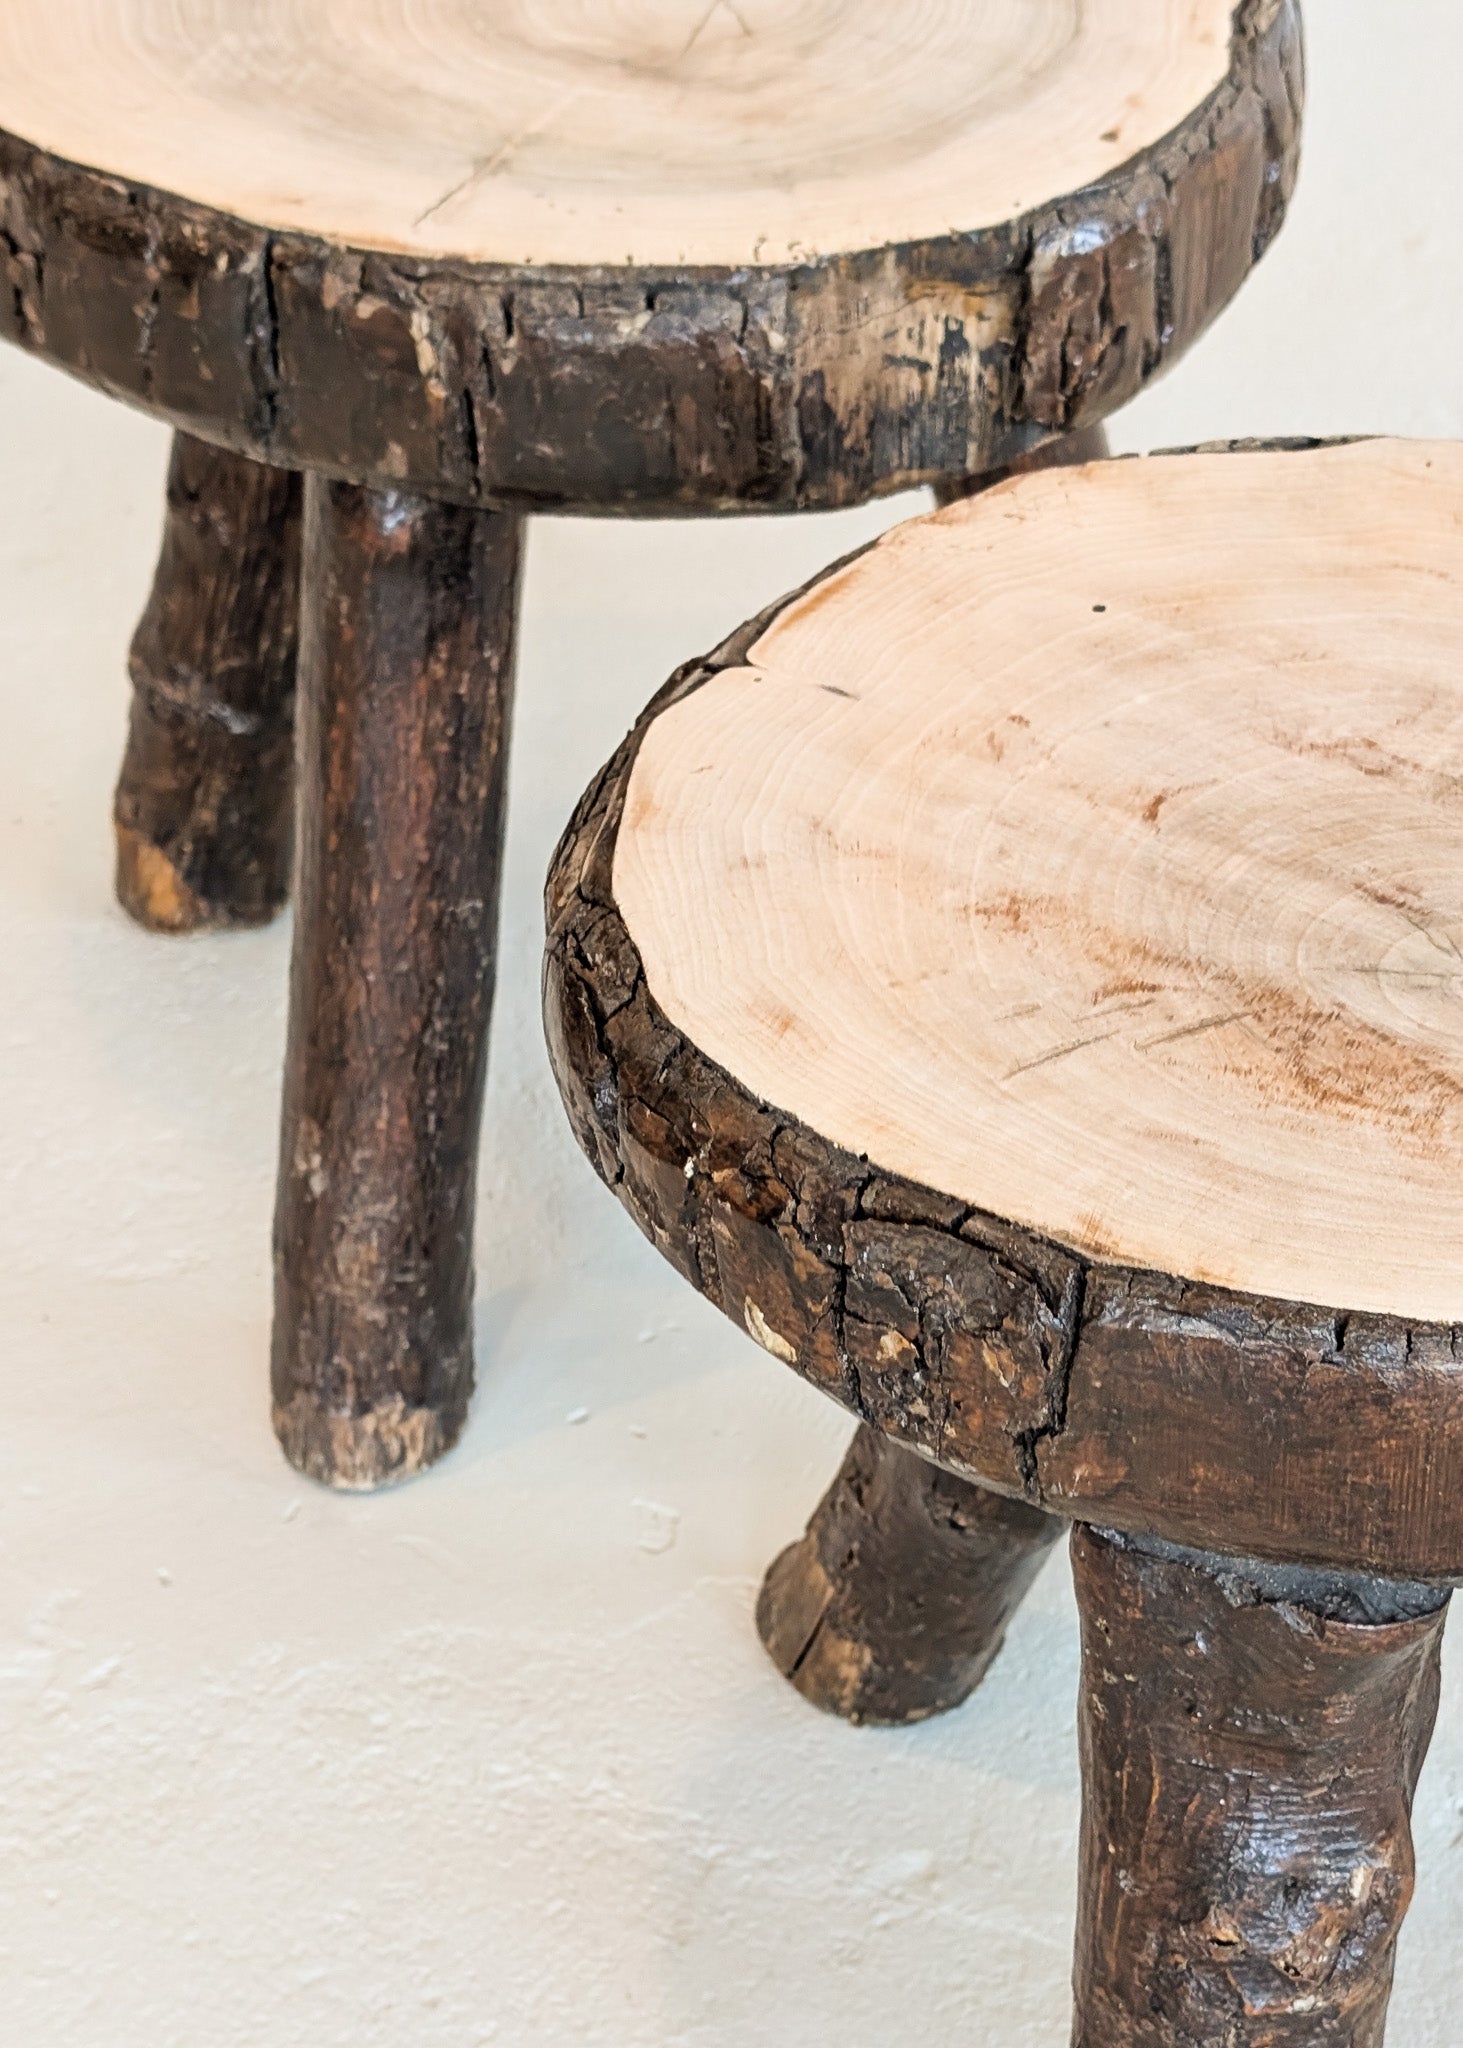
x=498 y=1758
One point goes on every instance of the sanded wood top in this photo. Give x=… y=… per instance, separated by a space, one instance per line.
x=1090 y=852
x=610 y=131
x=640 y=254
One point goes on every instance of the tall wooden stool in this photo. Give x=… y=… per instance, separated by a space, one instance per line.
x=1020 y=980
x=457 y=264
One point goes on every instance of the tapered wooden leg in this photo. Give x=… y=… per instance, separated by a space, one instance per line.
x=1089 y=444
x=1251 y=1740
x=406 y=667
x=203 y=810
x=894 y=1604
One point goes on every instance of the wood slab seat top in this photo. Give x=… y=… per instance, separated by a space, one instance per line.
x=765 y=191
x=1056 y=915
x=537 y=132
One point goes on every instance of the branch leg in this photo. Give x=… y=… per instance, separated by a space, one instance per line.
x=203 y=807
x=406 y=670
x=1251 y=1739
x=894 y=1604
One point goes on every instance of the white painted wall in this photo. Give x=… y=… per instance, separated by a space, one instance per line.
x=498 y=1758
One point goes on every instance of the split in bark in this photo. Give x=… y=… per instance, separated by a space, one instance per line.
x=204 y=807
x=895 y=1603
x=405 y=688
x=1251 y=1741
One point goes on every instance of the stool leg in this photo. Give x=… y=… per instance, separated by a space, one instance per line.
x=406 y=668
x=1088 y=444
x=894 y=1604
x=203 y=808
x=1251 y=1739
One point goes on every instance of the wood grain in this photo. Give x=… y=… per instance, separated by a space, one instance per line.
x=814 y=378
x=1250 y=1747
x=204 y=806
x=406 y=676
x=1211 y=1416
x=550 y=132
x=1089 y=853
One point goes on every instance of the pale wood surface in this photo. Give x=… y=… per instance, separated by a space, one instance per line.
x=1090 y=852
x=610 y=131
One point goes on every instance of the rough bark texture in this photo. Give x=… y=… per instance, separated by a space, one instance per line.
x=204 y=806
x=895 y=1603
x=1250 y=1749
x=810 y=385
x=1141 y=1400
x=405 y=685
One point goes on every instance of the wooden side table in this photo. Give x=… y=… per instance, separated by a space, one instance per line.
x=455 y=266
x=1018 y=980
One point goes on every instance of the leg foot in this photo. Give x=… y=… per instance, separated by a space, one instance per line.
x=203 y=808
x=894 y=1604
x=1089 y=444
x=1251 y=1739
x=406 y=666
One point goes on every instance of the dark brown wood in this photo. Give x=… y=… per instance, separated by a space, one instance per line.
x=405 y=687
x=204 y=808
x=1209 y=1417
x=807 y=384
x=1087 y=444
x=895 y=1603
x=1251 y=1743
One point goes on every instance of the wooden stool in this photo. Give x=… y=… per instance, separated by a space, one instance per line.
x=457 y=265
x=1018 y=980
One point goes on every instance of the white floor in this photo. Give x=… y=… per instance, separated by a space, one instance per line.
x=498 y=1758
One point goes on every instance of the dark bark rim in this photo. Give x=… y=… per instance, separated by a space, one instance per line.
x=156 y=242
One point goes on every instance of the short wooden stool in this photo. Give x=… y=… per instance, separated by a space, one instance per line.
x=457 y=264
x=1020 y=980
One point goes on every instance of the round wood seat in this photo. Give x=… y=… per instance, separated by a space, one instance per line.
x=658 y=131
x=553 y=253
x=1019 y=980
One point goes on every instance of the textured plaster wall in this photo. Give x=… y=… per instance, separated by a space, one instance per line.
x=498 y=1758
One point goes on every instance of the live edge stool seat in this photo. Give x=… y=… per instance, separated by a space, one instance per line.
x=450 y=265
x=1019 y=980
